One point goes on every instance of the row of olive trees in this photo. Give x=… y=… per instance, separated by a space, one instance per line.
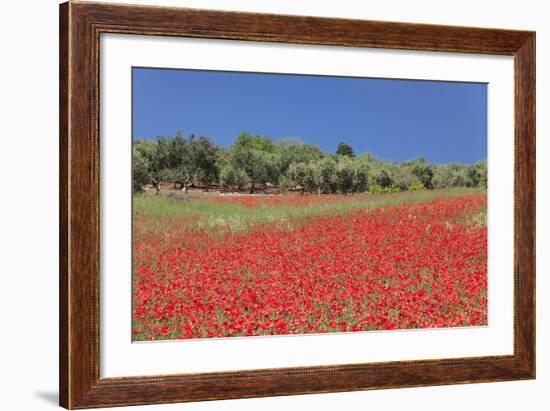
x=258 y=162
x=177 y=160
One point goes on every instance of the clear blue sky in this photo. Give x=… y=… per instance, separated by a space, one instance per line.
x=391 y=119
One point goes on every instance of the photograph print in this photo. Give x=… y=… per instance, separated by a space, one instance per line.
x=283 y=204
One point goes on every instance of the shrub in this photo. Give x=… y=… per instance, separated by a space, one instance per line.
x=378 y=189
x=416 y=187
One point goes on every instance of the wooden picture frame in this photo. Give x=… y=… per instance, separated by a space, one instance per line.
x=80 y=27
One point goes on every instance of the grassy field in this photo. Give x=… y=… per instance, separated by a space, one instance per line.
x=238 y=213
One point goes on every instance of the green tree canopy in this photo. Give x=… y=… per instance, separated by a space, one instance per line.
x=254 y=160
x=344 y=149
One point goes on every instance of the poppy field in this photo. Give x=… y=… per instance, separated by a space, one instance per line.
x=225 y=266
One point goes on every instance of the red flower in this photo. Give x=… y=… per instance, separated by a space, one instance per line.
x=411 y=266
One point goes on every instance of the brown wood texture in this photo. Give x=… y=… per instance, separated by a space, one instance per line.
x=80 y=27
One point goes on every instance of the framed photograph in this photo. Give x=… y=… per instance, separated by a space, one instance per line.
x=258 y=205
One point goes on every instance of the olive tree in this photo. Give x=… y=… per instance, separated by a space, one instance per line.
x=345 y=173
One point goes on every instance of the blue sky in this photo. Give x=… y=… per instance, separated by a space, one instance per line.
x=391 y=119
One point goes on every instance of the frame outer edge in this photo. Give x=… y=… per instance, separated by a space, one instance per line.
x=526 y=180
x=80 y=384
x=77 y=245
x=64 y=379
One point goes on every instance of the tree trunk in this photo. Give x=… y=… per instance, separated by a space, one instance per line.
x=252 y=188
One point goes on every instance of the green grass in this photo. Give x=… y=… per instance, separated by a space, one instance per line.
x=207 y=213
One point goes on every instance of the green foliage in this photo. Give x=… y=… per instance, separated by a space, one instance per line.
x=381 y=176
x=204 y=155
x=146 y=149
x=378 y=189
x=296 y=175
x=257 y=165
x=345 y=174
x=291 y=150
x=361 y=171
x=460 y=175
x=232 y=176
x=344 y=149
x=443 y=176
x=327 y=173
x=404 y=177
x=422 y=170
x=416 y=187
x=180 y=160
x=254 y=161
x=478 y=174
x=258 y=143
x=140 y=170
